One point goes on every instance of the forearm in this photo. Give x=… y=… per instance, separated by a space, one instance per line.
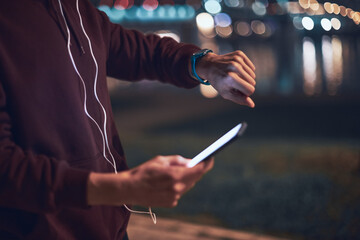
x=148 y=57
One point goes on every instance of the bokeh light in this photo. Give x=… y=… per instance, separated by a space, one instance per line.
x=232 y=3
x=205 y=23
x=222 y=20
x=333 y=63
x=336 y=24
x=304 y=4
x=150 y=5
x=258 y=27
x=326 y=24
x=243 y=29
x=328 y=7
x=297 y=21
x=224 y=32
x=208 y=91
x=259 y=8
x=336 y=8
x=343 y=11
x=123 y=4
x=308 y=23
x=310 y=66
x=314 y=5
x=212 y=6
x=294 y=8
x=181 y=11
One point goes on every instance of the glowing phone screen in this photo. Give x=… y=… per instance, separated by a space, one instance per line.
x=218 y=144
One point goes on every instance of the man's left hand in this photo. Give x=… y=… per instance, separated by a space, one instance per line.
x=232 y=75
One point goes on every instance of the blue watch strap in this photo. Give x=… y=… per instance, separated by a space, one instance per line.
x=196 y=56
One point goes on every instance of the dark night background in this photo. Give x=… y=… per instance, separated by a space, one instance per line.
x=295 y=172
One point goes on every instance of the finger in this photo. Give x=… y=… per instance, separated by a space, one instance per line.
x=246 y=67
x=177 y=160
x=180 y=188
x=242 y=72
x=247 y=60
x=238 y=97
x=250 y=102
x=241 y=99
x=208 y=164
x=241 y=85
x=194 y=174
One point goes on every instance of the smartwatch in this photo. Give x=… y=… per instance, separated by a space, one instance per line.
x=194 y=58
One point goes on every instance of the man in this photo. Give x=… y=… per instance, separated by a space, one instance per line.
x=63 y=173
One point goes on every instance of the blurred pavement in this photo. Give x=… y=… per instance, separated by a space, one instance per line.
x=142 y=228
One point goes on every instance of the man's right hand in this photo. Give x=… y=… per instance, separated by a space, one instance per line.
x=159 y=182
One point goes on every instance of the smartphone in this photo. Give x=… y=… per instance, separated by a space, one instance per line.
x=219 y=144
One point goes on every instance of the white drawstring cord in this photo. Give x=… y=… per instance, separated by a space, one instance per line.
x=102 y=132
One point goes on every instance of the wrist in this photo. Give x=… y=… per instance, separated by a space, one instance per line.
x=196 y=67
x=202 y=65
x=107 y=188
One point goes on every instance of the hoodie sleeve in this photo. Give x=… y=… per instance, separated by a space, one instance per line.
x=35 y=183
x=134 y=56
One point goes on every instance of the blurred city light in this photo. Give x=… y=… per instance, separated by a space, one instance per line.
x=224 y=32
x=326 y=24
x=212 y=6
x=149 y=12
x=313 y=7
x=304 y=4
x=222 y=20
x=243 y=28
x=123 y=4
x=259 y=8
x=205 y=23
x=310 y=66
x=335 y=23
x=208 y=91
x=329 y=7
x=150 y=5
x=308 y=23
x=343 y=11
x=332 y=63
x=233 y=3
x=258 y=27
x=336 y=8
x=294 y=8
x=297 y=21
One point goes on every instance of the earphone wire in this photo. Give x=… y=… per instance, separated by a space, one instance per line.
x=102 y=132
x=95 y=85
x=83 y=83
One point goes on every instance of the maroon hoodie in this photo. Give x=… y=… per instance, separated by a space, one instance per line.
x=48 y=142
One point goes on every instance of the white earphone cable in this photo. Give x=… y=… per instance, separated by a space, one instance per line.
x=95 y=84
x=83 y=84
x=102 y=132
